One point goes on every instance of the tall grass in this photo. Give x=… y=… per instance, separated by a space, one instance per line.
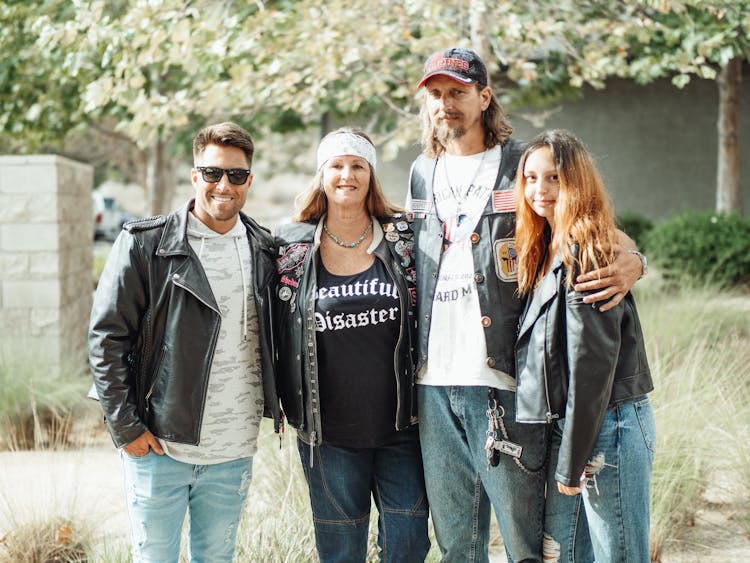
x=698 y=342
x=277 y=524
x=36 y=404
x=698 y=350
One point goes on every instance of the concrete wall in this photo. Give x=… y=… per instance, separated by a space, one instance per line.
x=655 y=145
x=46 y=258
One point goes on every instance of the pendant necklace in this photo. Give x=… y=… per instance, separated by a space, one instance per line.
x=460 y=199
x=343 y=244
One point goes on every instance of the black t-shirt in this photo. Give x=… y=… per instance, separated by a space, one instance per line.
x=357 y=320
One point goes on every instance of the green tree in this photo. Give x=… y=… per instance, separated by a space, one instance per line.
x=31 y=112
x=577 y=42
x=145 y=73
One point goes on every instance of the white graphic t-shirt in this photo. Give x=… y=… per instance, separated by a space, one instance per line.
x=457 y=352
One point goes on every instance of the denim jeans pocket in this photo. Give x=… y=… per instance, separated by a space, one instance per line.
x=645 y=415
x=137 y=457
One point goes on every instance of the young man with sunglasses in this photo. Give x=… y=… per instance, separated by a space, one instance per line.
x=181 y=355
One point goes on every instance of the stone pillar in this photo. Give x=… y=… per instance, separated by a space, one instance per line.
x=46 y=259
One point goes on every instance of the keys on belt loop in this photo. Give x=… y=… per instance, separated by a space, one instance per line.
x=493 y=425
x=497 y=437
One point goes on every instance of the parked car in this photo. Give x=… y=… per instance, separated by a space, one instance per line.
x=109 y=216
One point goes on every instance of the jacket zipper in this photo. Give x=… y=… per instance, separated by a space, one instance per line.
x=212 y=347
x=549 y=416
x=404 y=311
x=309 y=315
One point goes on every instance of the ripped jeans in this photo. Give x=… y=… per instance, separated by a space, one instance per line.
x=159 y=490
x=609 y=521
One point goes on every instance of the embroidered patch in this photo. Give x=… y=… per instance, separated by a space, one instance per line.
x=504 y=254
x=504 y=201
x=421 y=206
x=293 y=256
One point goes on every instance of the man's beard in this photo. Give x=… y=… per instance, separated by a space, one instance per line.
x=444 y=134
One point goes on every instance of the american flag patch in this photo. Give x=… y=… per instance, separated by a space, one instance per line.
x=421 y=206
x=504 y=201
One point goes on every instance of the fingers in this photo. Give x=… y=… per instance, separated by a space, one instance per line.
x=155 y=445
x=612 y=303
x=138 y=447
x=570 y=491
x=142 y=444
x=597 y=276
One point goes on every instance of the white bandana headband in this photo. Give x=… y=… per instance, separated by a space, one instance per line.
x=340 y=144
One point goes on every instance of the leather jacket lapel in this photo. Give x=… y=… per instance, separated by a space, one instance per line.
x=545 y=293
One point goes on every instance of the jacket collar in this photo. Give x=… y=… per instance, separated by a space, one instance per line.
x=174 y=239
x=546 y=292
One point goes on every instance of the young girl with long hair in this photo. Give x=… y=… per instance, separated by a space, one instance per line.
x=580 y=370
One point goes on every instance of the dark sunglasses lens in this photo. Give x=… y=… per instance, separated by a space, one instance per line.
x=212 y=174
x=237 y=176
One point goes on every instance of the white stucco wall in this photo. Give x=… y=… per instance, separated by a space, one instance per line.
x=46 y=258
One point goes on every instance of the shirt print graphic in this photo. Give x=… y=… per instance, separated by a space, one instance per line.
x=367 y=306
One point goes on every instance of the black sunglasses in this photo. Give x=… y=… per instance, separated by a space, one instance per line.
x=212 y=174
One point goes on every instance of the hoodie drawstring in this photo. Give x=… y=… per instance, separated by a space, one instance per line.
x=244 y=289
x=200 y=250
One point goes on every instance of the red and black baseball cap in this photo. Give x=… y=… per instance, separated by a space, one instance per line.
x=462 y=65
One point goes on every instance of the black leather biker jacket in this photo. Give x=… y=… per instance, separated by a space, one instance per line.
x=154 y=327
x=573 y=362
x=297 y=365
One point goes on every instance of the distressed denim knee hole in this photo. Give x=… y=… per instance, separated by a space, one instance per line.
x=245 y=483
x=550 y=549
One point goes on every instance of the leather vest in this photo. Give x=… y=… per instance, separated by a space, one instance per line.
x=494 y=253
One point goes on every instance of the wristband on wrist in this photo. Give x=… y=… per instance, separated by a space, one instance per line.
x=644 y=262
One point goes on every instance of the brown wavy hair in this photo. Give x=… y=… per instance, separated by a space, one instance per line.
x=312 y=203
x=225 y=134
x=583 y=214
x=497 y=129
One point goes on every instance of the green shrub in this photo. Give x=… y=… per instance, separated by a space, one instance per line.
x=635 y=226
x=702 y=247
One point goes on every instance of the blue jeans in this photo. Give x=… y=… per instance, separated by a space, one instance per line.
x=159 y=490
x=614 y=505
x=341 y=482
x=461 y=487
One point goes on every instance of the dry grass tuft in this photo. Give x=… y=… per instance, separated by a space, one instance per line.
x=58 y=540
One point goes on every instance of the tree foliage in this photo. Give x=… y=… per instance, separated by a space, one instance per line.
x=156 y=69
x=159 y=65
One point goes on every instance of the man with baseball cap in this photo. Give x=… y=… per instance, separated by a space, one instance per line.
x=462 y=195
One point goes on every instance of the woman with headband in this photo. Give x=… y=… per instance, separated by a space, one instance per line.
x=345 y=321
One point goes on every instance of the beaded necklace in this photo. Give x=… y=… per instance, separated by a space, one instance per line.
x=338 y=241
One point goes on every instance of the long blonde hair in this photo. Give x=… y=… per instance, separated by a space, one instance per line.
x=312 y=203
x=583 y=214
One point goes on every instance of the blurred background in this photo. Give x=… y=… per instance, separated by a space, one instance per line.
x=99 y=102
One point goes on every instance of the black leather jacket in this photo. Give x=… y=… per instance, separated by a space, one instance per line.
x=573 y=362
x=297 y=365
x=494 y=259
x=154 y=326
